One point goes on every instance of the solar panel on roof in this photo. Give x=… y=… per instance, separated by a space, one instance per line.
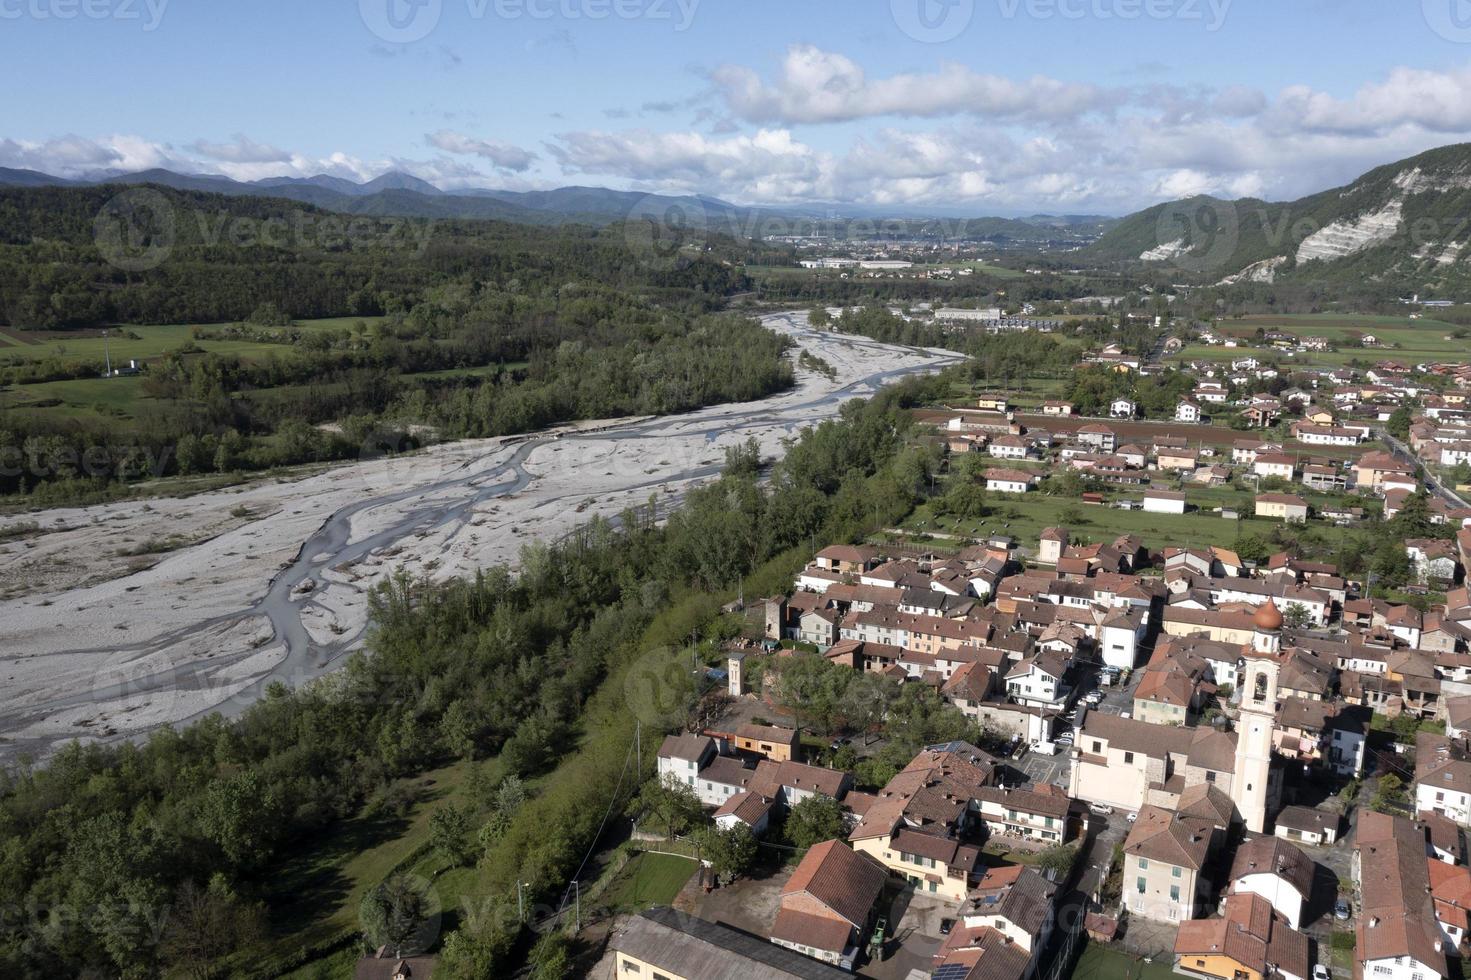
x=951 y=971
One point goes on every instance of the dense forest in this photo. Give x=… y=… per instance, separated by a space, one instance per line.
x=485 y=329
x=170 y=857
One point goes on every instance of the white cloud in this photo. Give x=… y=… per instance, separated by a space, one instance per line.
x=769 y=165
x=241 y=149
x=503 y=156
x=816 y=86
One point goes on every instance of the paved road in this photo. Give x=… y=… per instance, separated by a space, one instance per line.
x=1402 y=451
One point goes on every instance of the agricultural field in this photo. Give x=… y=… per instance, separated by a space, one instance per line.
x=1024 y=517
x=127 y=342
x=1400 y=338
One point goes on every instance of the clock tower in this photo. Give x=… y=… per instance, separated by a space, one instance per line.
x=1261 y=666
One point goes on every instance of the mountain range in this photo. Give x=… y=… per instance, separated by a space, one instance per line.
x=403 y=195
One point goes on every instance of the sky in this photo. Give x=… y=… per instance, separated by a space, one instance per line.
x=975 y=107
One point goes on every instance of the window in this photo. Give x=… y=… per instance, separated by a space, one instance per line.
x=1140 y=885
x=630 y=967
x=1143 y=864
x=1097 y=747
x=1174 y=893
x=1128 y=758
x=1174 y=872
x=1210 y=776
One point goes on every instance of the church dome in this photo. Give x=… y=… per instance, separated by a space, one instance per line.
x=1268 y=616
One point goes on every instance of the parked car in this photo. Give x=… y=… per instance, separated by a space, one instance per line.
x=1320 y=972
x=1341 y=911
x=1101 y=809
x=948 y=924
x=1133 y=816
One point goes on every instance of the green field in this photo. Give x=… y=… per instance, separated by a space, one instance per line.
x=1101 y=963
x=1025 y=517
x=1400 y=339
x=323 y=888
x=152 y=341
x=648 y=880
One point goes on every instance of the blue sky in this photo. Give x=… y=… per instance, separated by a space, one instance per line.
x=980 y=106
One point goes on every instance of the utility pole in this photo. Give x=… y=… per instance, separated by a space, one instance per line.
x=577 y=908
x=520 y=903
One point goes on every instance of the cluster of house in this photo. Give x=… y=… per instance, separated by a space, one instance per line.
x=1293 y=659
x=922 y=828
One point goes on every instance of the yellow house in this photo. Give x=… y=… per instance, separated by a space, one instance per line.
x=1250 y=942
x=1282 y=506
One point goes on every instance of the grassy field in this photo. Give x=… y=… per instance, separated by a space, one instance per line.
x=1025 y=517
x=151 y=341
x=1101 y=963
x=324 y=888
x=649 y=880
x=1400 y=339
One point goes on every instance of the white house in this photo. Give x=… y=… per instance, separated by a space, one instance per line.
x=681 y=758
x=1037 y=681
x=1187 y=412
x=1009 y=481
x=1164 y=502
x=1277 y=871
x=1442 y=778
x=1123 y=408
x=1009 y=447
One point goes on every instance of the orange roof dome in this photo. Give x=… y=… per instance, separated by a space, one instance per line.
x=1268 y=616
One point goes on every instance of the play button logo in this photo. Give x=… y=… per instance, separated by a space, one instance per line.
x=400 y=21
x=933 y=21
x=1451 y=19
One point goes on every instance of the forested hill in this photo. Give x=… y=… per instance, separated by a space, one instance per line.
x=460 y=329
x=1404 y=227
x=84 y=256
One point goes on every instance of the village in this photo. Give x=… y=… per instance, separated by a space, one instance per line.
x=1235 y=768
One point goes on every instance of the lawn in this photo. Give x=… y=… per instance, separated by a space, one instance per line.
x=1101 y=963
x=317 y=893
x=649 y=880
x=1400 y=337
x=1025 y=517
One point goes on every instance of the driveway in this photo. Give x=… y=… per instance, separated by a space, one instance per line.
x=750 y=904
x=914 y=922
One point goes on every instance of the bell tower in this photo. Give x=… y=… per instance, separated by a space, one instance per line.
x=1260 y=669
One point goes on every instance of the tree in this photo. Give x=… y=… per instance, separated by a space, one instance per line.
x=1399 y=422
x=730 y=852
x=398 y=914
x=819 y=316
x=1058 y=858
x=814 y=820
x=551 y=957
x=207 y=924
x=449 y=834
x=1296 y=616
x=673 y=803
